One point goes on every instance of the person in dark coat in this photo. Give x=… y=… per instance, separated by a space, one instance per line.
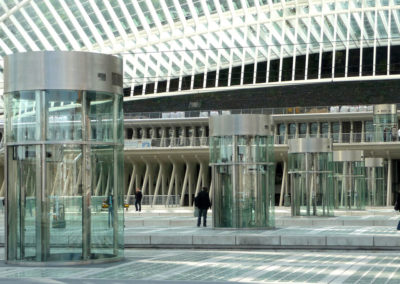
x=397 y=207
x=138 y=199
x=202 y=201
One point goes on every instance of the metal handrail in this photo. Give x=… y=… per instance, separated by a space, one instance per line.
x=276 y=111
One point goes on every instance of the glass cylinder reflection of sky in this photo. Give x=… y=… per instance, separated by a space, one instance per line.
x=243 y=181
x=65 y=161
x=310 y=177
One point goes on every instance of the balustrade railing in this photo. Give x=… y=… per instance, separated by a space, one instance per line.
x=168 y=142
x=276 y=111
x=367 y=137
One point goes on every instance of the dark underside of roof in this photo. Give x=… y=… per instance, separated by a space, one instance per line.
x=316 y=94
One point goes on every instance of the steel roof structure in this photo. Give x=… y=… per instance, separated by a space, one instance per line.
x=164 y=39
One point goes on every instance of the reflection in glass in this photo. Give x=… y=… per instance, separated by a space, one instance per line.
x=349 y=184
x=68 y=212
x=310 y=176
x=243 y=181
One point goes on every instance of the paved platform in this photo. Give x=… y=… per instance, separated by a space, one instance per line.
x=335 y=237
x=220 y=266
x=373 y=229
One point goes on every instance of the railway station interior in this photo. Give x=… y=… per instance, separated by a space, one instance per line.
x=286 y=111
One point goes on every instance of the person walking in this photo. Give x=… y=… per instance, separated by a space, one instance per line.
x=397 y=207
x=202 y=201
x=138 y=199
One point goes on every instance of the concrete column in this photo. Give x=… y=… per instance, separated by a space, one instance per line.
x=308 y=131
x=284 y=193
x=286 y=133
x=389 y=183
x=171 y=183
x=134 y=133
x=318 y=129
x=191 y=183
x=131 y=184
x=363 y=131
x=329 y=129
x=158 y=182
x=351 y=131
x=185 y=183
x=340 y=132
x=151 y=179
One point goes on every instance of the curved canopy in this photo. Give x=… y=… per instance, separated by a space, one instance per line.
x=160 y=40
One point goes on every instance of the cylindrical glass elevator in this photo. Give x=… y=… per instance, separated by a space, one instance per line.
x=385 y=123
x=243 y=171
x=349 y=179
x=376 y=181
x=310 y=176
x=64 y=157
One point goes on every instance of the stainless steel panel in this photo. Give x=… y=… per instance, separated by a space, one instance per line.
x=240 y=124
x=385 y=109
x=62 y=70
x=348 y=156
x=310 y=145
x=374 y=162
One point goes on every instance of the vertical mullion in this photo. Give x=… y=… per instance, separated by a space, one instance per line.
x=361 y=41
x=321 y=43
x=295 y=47
x=334 y=42
x=389 y=36
x=256 y=52
x=346 y=71
x=269 y=53
x=375 y=36
x=243 y=57
x=281 y=51
x=169 y=72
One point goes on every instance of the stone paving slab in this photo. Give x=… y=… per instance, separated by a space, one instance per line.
x=146 y=266
x=350 y=237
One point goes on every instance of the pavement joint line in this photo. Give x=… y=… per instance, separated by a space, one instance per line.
x=379 y=273
x=392 y=275
x=355 y=266
x=204 y=262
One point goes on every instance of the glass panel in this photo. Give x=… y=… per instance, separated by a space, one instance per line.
x=244 y=192
x=64 y=197
x=47 y=217
x=22 y=116
x=102 y=200
x=385 y=127
x=65 y=116
x=22 y=183
x=349 y=185
x=376 y=186
x=101 y=106
x=311 y=184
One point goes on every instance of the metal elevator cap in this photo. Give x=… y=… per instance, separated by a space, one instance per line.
x=309 y=145
x=62 y=70
x=241 y=124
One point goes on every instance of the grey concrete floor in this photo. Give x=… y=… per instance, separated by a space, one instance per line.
x=221 y=266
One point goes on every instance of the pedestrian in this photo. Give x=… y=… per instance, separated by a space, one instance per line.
x=138 y=199
x=110 y=202
x=397 y=207
x=202 y=202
